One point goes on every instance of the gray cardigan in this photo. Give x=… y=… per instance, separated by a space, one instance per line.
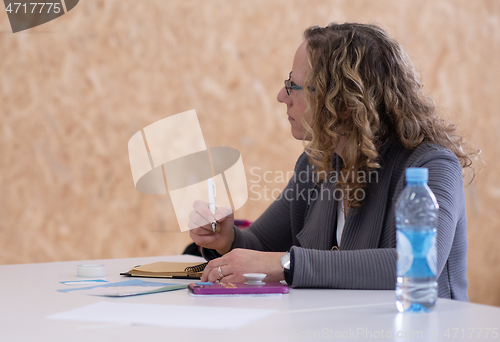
x=367 y=255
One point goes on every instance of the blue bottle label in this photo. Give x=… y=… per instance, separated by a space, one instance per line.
x=416 y=253
x=432 y=254
x=405 y=253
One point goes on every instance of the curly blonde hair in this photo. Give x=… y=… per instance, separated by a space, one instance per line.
x=362 y=83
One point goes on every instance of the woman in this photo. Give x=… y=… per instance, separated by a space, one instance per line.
x=354 y=96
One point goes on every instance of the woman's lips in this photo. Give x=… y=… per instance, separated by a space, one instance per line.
x=290 y=118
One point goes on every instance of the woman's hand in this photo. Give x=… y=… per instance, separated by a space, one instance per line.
x=200 y=227
x=240 y=261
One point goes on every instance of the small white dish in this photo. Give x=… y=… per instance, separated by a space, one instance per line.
x=254 y=278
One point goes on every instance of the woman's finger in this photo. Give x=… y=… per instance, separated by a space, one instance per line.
x=222 y=212
x=230 y=279
x=213 y=276
x=207 y=270
x=203 y=209
x=218 y=273
x=199 y=231
x=198 y=221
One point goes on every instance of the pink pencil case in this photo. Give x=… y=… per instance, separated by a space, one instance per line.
x=236 y=288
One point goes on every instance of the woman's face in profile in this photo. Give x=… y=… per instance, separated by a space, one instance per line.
x=296 y=103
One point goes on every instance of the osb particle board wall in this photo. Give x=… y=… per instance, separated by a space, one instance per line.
x=74 y=90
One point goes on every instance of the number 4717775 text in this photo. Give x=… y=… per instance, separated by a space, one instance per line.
x=34 y=7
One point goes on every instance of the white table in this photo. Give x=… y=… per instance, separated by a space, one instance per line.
x=28 y=294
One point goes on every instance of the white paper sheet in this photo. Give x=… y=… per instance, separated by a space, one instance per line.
x=192 y=317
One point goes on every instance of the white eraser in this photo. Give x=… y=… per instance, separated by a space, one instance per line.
x=91 y=271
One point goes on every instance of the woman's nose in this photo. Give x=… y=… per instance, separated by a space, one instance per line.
x=282 y=95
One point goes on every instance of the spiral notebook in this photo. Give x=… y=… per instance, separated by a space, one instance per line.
x=164 y=269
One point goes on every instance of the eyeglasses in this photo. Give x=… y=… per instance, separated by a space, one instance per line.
x=289 y=85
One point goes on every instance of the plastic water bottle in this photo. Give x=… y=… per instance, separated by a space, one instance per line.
x=416 y=221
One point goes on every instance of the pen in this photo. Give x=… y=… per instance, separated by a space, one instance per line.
x=212 y=193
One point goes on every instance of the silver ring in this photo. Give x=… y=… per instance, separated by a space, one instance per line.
x=214 y=225
x=220 y=273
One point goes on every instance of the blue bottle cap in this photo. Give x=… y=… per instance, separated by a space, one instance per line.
x=417 y=175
